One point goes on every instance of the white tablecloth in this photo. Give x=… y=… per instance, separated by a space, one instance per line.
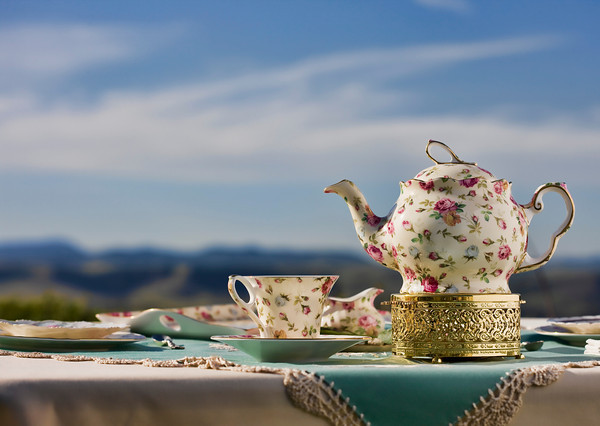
x=48 y=392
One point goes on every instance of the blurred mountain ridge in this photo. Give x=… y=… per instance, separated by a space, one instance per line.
x=144 y=277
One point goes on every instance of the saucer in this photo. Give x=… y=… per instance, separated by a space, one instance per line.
x=48 y=344
x=59 y=329
x=574 y=339
x=266 y=349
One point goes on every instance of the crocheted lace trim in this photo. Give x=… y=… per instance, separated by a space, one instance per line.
x=307 y=391
x=502 y=403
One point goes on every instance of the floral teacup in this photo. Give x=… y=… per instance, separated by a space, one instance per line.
x=356 y=314
x=286 y=306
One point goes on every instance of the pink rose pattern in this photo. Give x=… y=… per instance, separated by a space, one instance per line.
x=282 y=308
x=367 y=321
x=375 y=253
x=409 y=274
x=504 y=251
x=357 y=317
x=474 y=226
x=326 y=287
x=224 y=312
x=390 y=227
x=373 y=220
x=427 y=186
x=207 y=317
x=445 y=206
x=469 y=182
x=430 y=284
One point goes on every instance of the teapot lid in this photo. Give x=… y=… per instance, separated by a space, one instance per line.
x=454 y=169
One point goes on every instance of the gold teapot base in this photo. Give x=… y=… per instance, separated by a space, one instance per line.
x=460 y=325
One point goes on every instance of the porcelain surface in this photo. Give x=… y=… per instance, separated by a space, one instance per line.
x=207 y=313
x=580 y=325
x=48 y=344
x=156 y=321
x=286 y=306
x=455 y=228
x=356 y=314
x=59 y=329
x=291 y=350
x=159 y=321
x=574 y=339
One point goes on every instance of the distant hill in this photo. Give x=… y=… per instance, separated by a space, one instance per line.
x=137 y=278
x=62 y=252
x=54 y=251
x=142 y=277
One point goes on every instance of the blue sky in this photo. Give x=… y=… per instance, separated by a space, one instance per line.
x=187 y=124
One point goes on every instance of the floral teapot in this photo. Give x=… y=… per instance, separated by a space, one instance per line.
x=454 y=229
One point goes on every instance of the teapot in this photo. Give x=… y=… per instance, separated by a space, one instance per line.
x=455 y=228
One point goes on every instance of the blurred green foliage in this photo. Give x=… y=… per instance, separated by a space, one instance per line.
x=47 y=306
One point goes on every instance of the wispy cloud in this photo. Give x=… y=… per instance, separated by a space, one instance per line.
x=309 y=120
x=30 y=52
x=376 y=64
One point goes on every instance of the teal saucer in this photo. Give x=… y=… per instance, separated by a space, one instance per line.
x=293 y=350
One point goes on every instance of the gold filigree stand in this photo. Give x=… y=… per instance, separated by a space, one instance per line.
x=441 y=326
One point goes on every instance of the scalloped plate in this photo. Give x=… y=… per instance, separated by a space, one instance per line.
x=20 y=343
x=568 y=337
x=59 y=329
x=579 y=325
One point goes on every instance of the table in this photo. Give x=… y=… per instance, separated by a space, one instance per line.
x=50 y=391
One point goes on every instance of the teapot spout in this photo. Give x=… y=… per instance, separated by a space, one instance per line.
x=366 y=223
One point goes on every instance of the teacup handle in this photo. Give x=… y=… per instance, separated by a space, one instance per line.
x=247 y=306
x=534 y=207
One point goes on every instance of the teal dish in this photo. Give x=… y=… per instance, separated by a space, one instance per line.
x=157 y=321
x=47 y=344
x=291 y=350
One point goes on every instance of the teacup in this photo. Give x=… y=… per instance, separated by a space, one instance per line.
x=286 y=306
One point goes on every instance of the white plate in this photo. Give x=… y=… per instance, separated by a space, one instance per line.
x=20 y=343
x=579 y=325
x=571 y=338
x=59 y=329
x=291 y=350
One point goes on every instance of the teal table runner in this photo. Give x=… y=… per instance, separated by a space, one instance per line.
x=386 y=389
x=433 y=394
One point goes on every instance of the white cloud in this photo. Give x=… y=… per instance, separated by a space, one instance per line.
x=30 y=52
x=310 y=120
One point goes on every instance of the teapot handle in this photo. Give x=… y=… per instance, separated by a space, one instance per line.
x=455 y=159
x=534 y=207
